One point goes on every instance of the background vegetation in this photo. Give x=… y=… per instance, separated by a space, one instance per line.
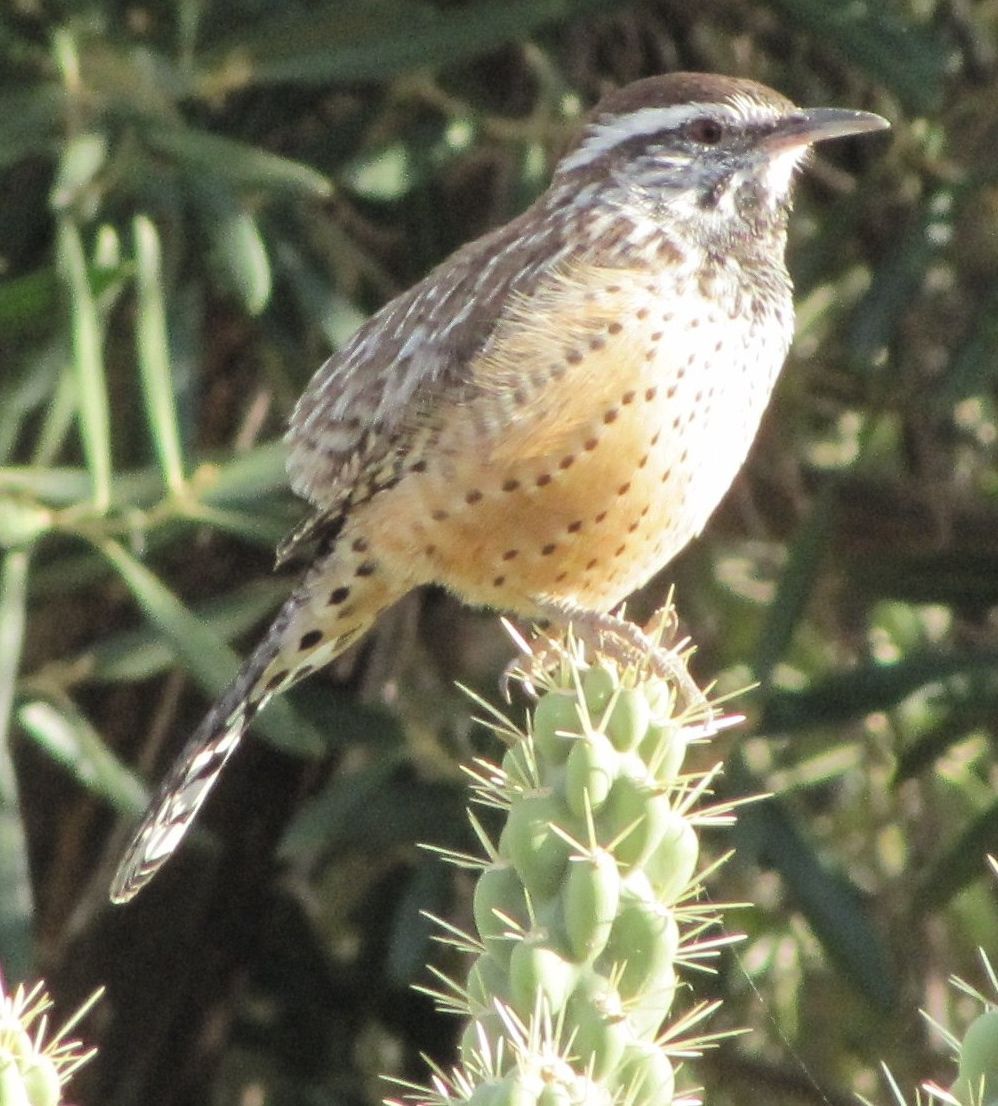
x=202 y=199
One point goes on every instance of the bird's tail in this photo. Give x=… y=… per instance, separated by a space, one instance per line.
x=339 y=598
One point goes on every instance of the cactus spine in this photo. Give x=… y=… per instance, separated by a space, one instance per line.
x=589 y=906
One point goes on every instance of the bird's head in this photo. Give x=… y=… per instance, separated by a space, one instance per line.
x=710 y=157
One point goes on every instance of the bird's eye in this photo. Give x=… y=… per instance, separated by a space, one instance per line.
x=706 y=131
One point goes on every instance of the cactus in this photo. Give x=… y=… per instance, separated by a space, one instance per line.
x=589 y=905
x=976 y=1055
x=34 y=1067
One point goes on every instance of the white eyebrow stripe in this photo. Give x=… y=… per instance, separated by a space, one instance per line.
x=603 y=137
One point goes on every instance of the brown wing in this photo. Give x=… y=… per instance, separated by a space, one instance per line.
x=374 y=407
x=371 y=406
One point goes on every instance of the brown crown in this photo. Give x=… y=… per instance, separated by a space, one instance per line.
x=681 y=88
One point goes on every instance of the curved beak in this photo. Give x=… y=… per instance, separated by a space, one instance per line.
x=809 y=125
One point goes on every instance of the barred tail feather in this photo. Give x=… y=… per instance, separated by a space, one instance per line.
x=314 y=626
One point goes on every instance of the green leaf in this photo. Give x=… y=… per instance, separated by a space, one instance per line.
x=248 y=476
x=897 y=279
x=328 y=309
x=140 y=654
x=70 y=740
x=88 y=359
x=237 y=251
x=847 y=696
x=15 y=885
x=28 y=302
x=385 y=175
x=154 y=353
x=973 y=369
x=242 y=481
x=955 y=577
x=427 y=893
x=212 y=663
x=961 y=862
x=61 y=487
x=27 y=389
x=918 y=756
x=891 y=50
x=260 y=525
x=377 y=40
x=30 y=120
x=832 y=905
x=378 y=807
x=82 y=159
x=796 y=585
x=57 y=421
x=205 y=156
x=21 y=522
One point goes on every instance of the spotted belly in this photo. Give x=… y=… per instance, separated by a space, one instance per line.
x=588 y=522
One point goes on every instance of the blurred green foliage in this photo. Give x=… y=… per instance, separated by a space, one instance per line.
x=202 y=199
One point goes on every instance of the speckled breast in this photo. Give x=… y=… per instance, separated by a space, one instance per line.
x=610 y=419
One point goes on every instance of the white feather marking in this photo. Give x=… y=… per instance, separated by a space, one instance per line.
x=605 y=136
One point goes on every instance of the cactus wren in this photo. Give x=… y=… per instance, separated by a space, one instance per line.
x=546 y=419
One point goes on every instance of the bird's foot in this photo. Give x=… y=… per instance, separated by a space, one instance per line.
x=537 y=655
x=613 y=637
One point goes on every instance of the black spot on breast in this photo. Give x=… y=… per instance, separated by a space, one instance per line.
x=338 y=595
x=277 y=679
x=312 y=638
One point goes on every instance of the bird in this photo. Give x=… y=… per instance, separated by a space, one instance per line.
x=548 y=417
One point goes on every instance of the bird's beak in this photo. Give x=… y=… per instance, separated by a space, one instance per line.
x=809 y=125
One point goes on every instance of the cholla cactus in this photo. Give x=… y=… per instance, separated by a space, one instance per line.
x=977 y=1054
x=34 y=1067
x=976 y=1082
x=589 y=906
